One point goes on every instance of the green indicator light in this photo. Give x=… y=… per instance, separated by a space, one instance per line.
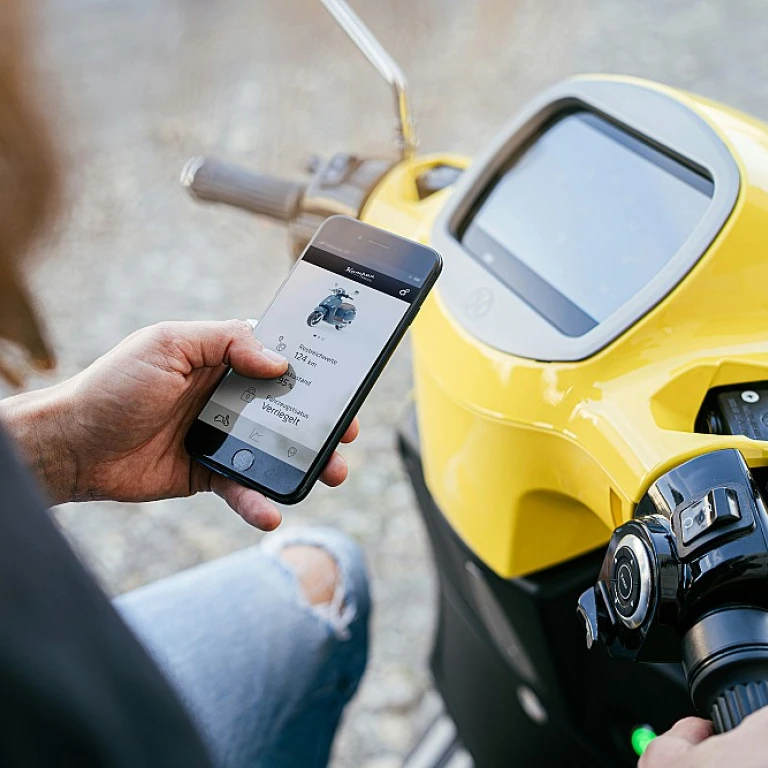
x=641 y=737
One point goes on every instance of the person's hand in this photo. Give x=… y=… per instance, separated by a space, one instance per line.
x=690 y=744
x=116 y=430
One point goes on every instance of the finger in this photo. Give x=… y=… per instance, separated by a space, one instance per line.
x=692 y=729
x=668 y=748
x=254 y=508
x=746 y=740
x=352 y=432
x=336 y=471
x=757 y=720
x=212 y=344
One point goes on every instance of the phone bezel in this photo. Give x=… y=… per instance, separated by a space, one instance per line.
x=326 y=230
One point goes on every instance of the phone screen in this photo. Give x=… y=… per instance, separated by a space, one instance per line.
x=331 y=320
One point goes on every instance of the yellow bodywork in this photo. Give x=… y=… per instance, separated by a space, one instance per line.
x=534 y=463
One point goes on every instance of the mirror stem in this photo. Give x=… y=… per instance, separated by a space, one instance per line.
x=386 y=66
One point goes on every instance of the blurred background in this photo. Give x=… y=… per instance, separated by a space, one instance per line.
x=134 y=87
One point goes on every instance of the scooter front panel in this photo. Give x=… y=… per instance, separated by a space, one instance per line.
x=519 y=451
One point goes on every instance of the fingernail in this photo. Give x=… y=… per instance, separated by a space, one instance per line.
x=275 y=357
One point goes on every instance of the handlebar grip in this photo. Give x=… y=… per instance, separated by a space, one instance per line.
x=732 y=705
x=218 y=182
x=725 y=655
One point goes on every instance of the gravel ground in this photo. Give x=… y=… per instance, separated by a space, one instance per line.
x=136 y=86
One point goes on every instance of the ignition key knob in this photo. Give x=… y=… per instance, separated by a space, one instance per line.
x=627 y=581
x=631 y=581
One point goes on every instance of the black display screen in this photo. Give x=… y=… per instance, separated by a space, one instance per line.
x=585 y=218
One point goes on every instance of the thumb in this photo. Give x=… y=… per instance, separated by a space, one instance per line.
x=669 y=748
x=248 y=356
x=213 y=344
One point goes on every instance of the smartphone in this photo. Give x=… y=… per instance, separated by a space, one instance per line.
x=337 y=318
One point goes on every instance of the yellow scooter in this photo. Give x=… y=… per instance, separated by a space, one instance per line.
x=594 y=359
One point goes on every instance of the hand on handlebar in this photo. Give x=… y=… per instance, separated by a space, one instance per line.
x=690 y=744
x=116 y=430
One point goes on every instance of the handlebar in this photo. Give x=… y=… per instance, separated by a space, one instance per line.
x=217 y=182
x=690 y=565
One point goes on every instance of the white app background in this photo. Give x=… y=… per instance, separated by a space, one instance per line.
x=327 y=366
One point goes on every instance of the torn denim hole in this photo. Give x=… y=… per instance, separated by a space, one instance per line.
x=340 y=612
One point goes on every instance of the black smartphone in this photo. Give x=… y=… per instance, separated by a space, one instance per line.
x=337 y=318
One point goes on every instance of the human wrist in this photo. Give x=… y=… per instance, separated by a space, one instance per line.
x=37 y=423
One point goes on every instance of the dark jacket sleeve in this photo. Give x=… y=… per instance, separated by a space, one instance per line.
x=76 y=688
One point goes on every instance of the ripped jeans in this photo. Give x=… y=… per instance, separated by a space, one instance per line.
x=263 y=674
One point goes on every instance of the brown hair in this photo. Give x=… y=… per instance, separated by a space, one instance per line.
x=27 y=182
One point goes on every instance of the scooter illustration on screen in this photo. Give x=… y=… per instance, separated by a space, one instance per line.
x=334 y=310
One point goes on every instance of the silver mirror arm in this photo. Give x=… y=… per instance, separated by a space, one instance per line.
x=385 y=65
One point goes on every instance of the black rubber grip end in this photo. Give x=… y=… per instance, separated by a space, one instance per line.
x=734 y=704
